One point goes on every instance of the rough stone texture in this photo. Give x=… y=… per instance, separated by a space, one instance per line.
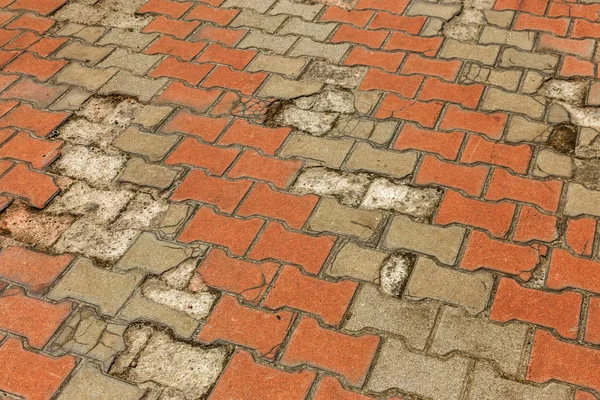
x=329 y=216
x=150 y=145
x=582 y=201
x=354 y=261
x=549 y=162
x=89 y=380
x=348 y=188
x=125 y=83
x=516 y=58
x=141 y=173
x=283 y=88
x=496 y=99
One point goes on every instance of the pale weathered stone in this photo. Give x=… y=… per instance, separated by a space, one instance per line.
x=429 y=377
x=126 y=38
x=557 y=114
x=485 y=54
x=71 y=101
x=125 y=83
x=532 y=82
x=521 y=39
x=151 y=145
x=174 y=218
x=549 y=162
x=505 y=344
x=89 y=164
x=365 y=102
x=516 y=58
x=330 y=52
x=499 y=18
x=348 y=77
x=260 y=6
x=153 y=255
x=108 y=290
x=139 y=172
x=507 y=79
x=468 y=290
x=126 y=59
x=331 y=152
x=259 y=40
x=90 y=78
x=252 y=19
x=383 y=132
x=439 y=10
x=149 y=116
x=82 y=52
x=306 y=11
x=521 y=129
x=348 y=188
x=497 y=99
x=412 y=321
x=89 y=382
x=393 y=163
x=582 y=201
x=297 y=26
x=330 y=216
x=354 y=261
x=352 y=127
x=283 y=88
x=288 y=66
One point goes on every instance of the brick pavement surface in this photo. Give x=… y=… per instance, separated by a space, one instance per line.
x=293 y=199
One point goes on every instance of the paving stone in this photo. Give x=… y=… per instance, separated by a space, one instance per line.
x=283 y=88
x=71 y=101
x=259 y=40
x=485 y=54
x=348 y=188
x=297 y=26
x=395 y=164
x=383 y=132
x=354 y=261
x=521 y=129
x=438 y=10
x=90 y=78
x=141 y=173
x=549 y=163
x=441 y=242
x=496 y=99
x=398 y=367
x=330 y=216
x=106 y=289
x=331 y=152
x=260 y=6
x=153 y=146
x=149 y=116
x=89 y=380
x=467 y=290
x=348 y=77
x=126 y=38
x=125 y=59
x=252 y=19
x=125 y=83
x=365 y=103
x=582 y=201
x=491 y=35
x=516 y=58
x=174 y=218
x=413 y=321
x=489 y=384
x=306 y=11
x=330 y=52
x=82 y=52
x=503 y=344
x=290 y=67
x=153 y=255
x=508 y=79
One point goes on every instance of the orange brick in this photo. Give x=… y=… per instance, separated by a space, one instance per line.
x=469 y=179
x=307 y=251
x=31 y=375
x=249 y=280
x=198 y=125
x=5 y=107
x=491 y=125
x=570 y=271
x=216 y=53
x=559 y=311
x=331 y=389
x=36 y=270
x=201 y=187
x=233 y=233
x=25 y=40
x=37 y=152
x=425 y=114
x=327 y=300
x=592 y=329
x=513 y=259
x=410 y=25
x=244 y=379
x=558 y=26
x=389 y=61
x=537 y=7
x=215 y=159
x=580 y=235
x=254 y=328
x=581 y=395
x=534 y=225
x=173 y=9
x=226 y=104
x=406 y=86
x=445 y=144
x=583 y=29
x=6 y=56
x=47 y=46
x=494 y=217
x=347 y=33
x=7 y=35
x=355 y=17
x=573 y=66
x=7 y=80
x=31 y=22
x=346 y=355
x=216 y=15
x=553 y=359
x=29 y=90
x=263 y=200
x=33 y=318
x=41 y=68
x=402 y=41
x=545 y=194
x=393 y=6
x=245 y=82
x=190 y=72
x=583 y=48
x=416 y=64
x=179 y=29
x=266 y=139
x=253 y=165
x=198 y=99
x=42 y=7
x=179 y=48
x=20 y=181
x=572 y=10
x=436 y=89
x=229 y=37
x=479 y=149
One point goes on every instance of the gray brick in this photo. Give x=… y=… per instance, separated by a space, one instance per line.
x=330 y=216
x=523 y=130
x=541 y=62
x=398 y=367
x=126 y=38
x=497 y=99
x=88 y=380
x=581 y=200
x=306 y=11
x=349 y=77
x=388 y=162
x=125 y=83
x=499 y=18
x=485 y=54
x=259 y=40
x=258 y=5
x=72 y=100
x=521 y=39
x=141 y=173
x=90 y=78
x=153 y=255
x=330 y=52
x=412 y=321
x=278 y=64
x=549 y=162
x=354 y=261
x=283 y=88
x=330 y=152
x=151 y=145
x=82 y=52
x=125 y=59
x=252 y=19
x=505 y=344
x=468 y=290
x=439 y=10
x=441 y=242
x=297 y=26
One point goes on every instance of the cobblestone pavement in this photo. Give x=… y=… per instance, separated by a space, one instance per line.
x=286 y=199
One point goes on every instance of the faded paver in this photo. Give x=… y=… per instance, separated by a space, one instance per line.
x=325 y=199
